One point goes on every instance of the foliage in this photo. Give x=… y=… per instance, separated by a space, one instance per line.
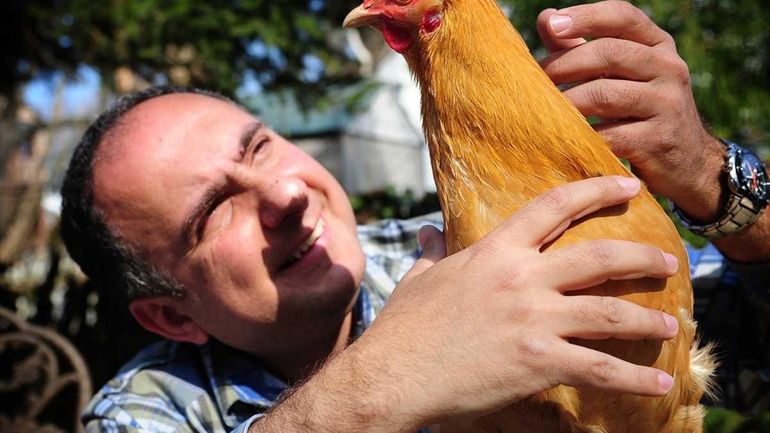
x=720 y=420
x=214 y=44
x=389 y=203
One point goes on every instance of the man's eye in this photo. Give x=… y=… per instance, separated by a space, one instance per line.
x=217 y=219
x=256 y=145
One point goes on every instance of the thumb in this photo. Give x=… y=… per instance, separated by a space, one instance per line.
x=433 y=247
x=433 y=244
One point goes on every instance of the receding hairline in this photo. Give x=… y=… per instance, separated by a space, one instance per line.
x=103 y=152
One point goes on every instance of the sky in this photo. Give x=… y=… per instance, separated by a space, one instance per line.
x=81 y=92
x=80 y=98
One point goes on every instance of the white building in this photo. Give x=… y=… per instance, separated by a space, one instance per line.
x=379 y=145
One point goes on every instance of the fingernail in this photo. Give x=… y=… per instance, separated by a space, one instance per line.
x=671 y=323
x=665 y=381
x=630 y=184
x=560 y=23
x=671 y=261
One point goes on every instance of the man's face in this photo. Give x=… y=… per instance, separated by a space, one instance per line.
x=260 y=234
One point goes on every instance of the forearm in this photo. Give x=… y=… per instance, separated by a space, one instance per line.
x=346 y=395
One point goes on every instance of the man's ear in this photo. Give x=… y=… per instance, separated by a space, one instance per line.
x=161 y=315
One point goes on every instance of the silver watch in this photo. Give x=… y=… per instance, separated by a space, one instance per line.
x=748 y=195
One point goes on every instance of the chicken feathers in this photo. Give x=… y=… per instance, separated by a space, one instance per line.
x=499 y=134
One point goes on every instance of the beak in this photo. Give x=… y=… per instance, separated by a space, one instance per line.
x=360 y=17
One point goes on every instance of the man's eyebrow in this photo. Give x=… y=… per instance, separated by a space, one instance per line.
x=210 y=197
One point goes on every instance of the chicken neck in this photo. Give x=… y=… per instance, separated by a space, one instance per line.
x=488 y=106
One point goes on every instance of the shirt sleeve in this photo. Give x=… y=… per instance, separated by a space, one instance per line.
x=710 y=269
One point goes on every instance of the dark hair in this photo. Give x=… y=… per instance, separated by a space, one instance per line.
x=106 y=258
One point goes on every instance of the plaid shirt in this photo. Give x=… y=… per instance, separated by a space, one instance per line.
x=177 y=387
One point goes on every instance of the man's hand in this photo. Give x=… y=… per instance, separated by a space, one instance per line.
x=475 y=331
x=489 y=325
x=630 y=75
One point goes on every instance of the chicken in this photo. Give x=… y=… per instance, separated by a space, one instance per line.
x=500 y=133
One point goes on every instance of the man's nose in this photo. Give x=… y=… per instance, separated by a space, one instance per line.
x=280 y=198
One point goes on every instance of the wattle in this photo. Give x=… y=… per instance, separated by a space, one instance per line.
x=398 y=38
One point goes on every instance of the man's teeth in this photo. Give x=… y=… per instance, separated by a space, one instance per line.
x=319 y=229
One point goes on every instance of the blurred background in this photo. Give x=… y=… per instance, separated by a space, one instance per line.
x=342 y=95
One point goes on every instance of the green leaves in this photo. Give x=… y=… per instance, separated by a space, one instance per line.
x=719 y=420
x=143 y=35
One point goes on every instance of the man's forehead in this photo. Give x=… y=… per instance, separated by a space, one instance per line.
x=164 y=131
x=153 y=124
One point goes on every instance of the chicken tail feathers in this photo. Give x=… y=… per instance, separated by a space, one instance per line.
x=703 y=364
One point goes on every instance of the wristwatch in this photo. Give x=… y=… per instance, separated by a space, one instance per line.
x=748 y=191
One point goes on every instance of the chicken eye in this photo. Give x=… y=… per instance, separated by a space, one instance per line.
x=432 y=21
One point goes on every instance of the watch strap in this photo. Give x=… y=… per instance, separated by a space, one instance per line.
x=740 y=212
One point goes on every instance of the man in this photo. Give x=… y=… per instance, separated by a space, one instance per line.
x=243 y=252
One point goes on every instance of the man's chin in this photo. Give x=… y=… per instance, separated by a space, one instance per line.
x=333 y=293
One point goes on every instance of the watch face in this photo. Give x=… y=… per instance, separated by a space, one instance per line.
x=753 y=176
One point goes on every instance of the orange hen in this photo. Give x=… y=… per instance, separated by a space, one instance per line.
x=499 y=134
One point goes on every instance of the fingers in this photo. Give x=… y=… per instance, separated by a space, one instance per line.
x=600 y=317
x=548 y=215
x=628 y=139
x=545 y=30
x=607 y=58
x=586 y=367
x=588 y=264
x=433 y=246
x=615 y=19
x=614 y=99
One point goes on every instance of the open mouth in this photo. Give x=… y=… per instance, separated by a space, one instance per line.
x=306 y=244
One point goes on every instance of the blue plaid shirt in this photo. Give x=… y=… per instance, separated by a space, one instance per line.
x=178 y=387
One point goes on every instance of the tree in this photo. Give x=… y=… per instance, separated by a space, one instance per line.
x=216 y=44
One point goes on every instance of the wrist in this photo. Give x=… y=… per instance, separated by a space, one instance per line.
x=706 y=200
x=749 y=246
x=729 y=203
x=344 y=396
x=377 y=404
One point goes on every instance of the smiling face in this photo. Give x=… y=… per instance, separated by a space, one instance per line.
x=262 y=237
